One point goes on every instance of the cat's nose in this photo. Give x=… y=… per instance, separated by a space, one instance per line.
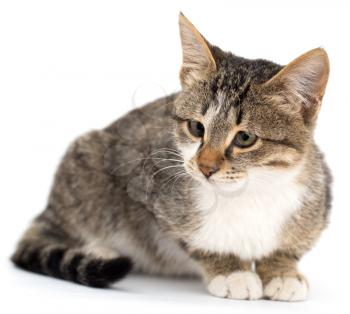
x=208 y=170
x=209 y=161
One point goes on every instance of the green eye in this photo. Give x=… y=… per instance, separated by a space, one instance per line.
x=196 y=128
x=244 y=139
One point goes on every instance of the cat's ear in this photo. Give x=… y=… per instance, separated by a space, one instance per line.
x=198 y=61
x=303 y=82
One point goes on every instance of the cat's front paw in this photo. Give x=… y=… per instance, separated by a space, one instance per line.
x=287 y=289
x=242 y=285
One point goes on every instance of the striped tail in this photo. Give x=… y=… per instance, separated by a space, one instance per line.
x=69 y=264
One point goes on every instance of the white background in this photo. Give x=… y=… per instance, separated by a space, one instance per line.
x=67 y=67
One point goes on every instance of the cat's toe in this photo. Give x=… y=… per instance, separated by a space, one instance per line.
x=244 y=285
x=218 y=286
x=286 y=289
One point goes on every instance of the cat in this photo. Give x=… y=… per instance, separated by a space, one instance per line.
x=222 y=180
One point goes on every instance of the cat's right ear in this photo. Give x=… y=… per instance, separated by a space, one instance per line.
x=198 y=61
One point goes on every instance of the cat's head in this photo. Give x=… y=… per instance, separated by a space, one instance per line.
x=236 y=116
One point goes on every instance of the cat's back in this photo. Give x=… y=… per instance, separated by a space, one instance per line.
x=147 y=123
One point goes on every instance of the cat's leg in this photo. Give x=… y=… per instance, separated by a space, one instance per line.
x=226 y=276
x=281 y=278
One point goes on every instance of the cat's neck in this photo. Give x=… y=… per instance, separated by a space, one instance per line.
x=248 y=223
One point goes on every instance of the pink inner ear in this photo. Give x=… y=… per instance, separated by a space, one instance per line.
x=304 y=82
x=306 y=77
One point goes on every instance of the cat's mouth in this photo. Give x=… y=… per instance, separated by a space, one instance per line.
x=224 y=187
x=221 y=186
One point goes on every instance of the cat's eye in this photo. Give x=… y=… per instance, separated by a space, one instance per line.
x=196 y=128
x=244 y=139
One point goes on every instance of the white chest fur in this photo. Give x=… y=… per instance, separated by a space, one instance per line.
x=249 y=223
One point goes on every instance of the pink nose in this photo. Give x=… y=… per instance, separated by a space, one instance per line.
x=208 y=170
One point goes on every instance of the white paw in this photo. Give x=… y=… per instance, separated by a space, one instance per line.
x=286 y=289
x=242 y=285
x=218 y=286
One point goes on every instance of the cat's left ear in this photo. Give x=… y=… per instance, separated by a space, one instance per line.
x=198 y=61
x=303 y=82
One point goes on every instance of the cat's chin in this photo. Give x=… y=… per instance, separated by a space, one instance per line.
x=229 y=189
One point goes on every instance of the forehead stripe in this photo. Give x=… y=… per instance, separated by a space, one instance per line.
x=239 y=114
x=238 y=103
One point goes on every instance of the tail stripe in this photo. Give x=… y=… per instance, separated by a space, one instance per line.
x=71 y=268
x=30 y=260
x=71 y=265
x=53 y=262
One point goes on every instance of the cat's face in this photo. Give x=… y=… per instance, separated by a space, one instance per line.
x=238 y=117
x=222 y=141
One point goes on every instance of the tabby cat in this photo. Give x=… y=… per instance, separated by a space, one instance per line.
x=222 y=180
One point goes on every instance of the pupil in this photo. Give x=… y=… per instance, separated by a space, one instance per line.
x=245 y=137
